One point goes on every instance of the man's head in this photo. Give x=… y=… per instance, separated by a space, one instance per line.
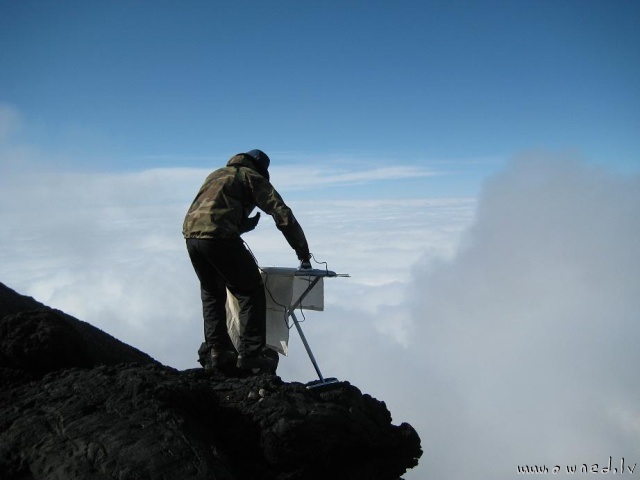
x=260 y=159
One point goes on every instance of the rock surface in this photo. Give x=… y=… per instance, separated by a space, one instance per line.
x=79 y=404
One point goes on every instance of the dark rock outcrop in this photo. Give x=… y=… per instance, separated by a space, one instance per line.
x=77 y=403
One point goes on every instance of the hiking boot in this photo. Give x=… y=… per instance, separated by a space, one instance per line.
x=265 y=360
x=222 y=358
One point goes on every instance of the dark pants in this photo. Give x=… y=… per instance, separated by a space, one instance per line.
x=222 y=264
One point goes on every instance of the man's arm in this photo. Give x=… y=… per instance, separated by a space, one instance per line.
x=269 y=200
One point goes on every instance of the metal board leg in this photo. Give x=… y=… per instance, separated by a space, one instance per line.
x=306 y=345
x=323 y=382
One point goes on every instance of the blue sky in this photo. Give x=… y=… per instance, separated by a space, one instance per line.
x=473 y=165
x=133 y=85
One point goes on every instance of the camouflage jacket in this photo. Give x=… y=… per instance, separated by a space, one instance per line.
x=228 y=196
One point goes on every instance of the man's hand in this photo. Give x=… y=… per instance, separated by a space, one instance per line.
x=249 y=223
x=305 y=265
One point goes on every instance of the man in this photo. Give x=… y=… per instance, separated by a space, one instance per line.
x=212 y=227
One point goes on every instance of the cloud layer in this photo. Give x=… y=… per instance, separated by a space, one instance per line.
x=505 y=331
x=108 y=248
x=520 y=347
x=527 y=341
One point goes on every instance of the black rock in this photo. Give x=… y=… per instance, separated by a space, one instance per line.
x=79 y=404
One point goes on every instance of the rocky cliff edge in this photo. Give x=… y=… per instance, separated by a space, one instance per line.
x=79 y=404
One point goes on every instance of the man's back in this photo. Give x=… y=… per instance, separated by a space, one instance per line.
x=219 y=206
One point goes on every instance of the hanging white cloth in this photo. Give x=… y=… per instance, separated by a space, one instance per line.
x=282 y=289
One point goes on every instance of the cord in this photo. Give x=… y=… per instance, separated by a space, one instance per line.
x=265 y=283
x=285 y=307
x=326 y=265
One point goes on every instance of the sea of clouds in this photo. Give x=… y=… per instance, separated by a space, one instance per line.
x=504 y=328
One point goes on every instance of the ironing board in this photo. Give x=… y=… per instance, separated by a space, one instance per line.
x=314 y=279
x=286 y=289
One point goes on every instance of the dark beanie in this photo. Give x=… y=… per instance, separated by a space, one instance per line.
x=260 y=157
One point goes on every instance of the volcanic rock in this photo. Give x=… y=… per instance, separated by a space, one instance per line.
x=79 y=404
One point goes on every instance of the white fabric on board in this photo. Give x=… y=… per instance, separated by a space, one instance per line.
x=282 y=290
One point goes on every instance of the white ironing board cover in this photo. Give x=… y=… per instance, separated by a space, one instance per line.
x=283 y=287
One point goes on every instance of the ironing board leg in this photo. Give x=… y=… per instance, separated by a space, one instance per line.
x=306 y=345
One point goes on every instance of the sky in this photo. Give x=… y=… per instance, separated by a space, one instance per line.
x=474 y=166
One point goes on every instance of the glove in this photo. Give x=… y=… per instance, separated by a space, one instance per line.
x=249 y=223
x=305 y=265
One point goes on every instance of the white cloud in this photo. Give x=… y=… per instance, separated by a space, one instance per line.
x=323 y=175
x=531 y=331
x=108 y=249
x=518 y=348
